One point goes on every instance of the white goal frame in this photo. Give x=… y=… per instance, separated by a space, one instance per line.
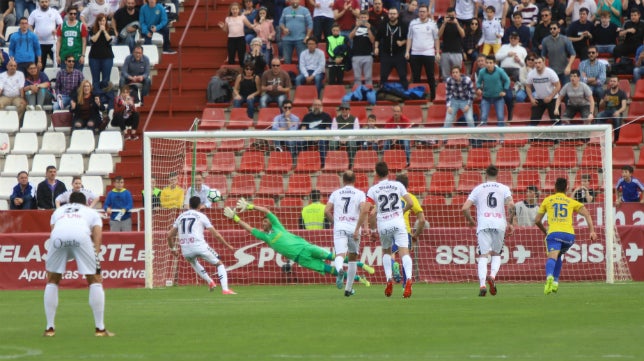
x=496 y=133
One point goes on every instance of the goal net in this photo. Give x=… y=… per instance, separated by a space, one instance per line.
x=442 y=167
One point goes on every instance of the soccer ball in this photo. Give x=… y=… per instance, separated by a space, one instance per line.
x=214 y=195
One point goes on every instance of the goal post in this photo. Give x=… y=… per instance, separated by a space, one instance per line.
x=447 y=249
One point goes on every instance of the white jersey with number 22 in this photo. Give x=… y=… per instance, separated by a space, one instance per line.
x=387 y=196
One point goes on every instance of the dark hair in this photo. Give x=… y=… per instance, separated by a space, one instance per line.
x=532 y=188
x=22 y=172
x=575 y=72
x=491 y=171
x=348 y=177
x=492 y=8
x=402 y=178
x=119 y=178
x=628 y=168
x=450 y=9
x=490 y=57
x=516 y=13
x=287 y=101
x=50 y=167
x=633 y=10
x=76 y=177
x=315 y=195
x=195 y=202
x=561 y=184
x=382 y=170
x=77 y=197
x=584 y=9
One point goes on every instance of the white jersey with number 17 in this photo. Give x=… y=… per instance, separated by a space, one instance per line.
x=489 y=199
x=346 y=208
x=190 y=226
x=387 y=196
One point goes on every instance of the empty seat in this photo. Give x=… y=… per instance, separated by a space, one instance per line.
x=478 y=158
x=7 y=184
x=436 y=115
x=468 y=180
x=242 y=185
x=223 y=162
x=308 y=161
x=450 y=159
x=239 y=119
x=565 y=157
x=40 y=163
x=295 y=202
x=304 y=95
x=365 y=161
x=527 y=178
x=442 y=182
x=71 y=165
x=82 y=142
x=110 y=142
x=551 y=177
x=15 y=163
x=271 y=185
x=152 y=52
x=592 y=157
x=417 y=182
x=34 y=121
x=537 y=157
x=233 y=145
x=396 y=159
x=5 y=144
x=421 y=159
x=623 y=156
x=298 y=185
x=279 y=162
x=251 y=162
x=200 y=162
x=507 y=158
x=10 y=122
x=53 y=143
x=120 y=53
x=267 y=202
x=336 y=161
x=94 y=184
x=212 y=118
x=219 y=182
x=265 y=118
x=630 y=134
x=430 y=201
x=25 y=143
x=327 y=183
x=100 y=164
x=505 y=177
x=382 y=113
x=362 y=181
x=332 y=95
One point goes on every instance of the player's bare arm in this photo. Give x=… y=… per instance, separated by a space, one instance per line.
x=539 y=224
x=172 y=244
x=466 y=212
x=589 y=220
x=365 y=208
x=220 y=238
x=97 y=238
x=420 y=225
x=512 y=212
x=409 y=202
x=328 y=212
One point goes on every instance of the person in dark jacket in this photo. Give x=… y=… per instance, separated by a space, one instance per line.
x=24 y=193
x=49 y=189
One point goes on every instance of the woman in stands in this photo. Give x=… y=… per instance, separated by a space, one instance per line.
x=472 y=36
x=247 y=89
x=101 y=57
x=37 y=88
x=256 y=57
x=86 y=113
x=234 y=26
x=125 y=115
x=266 y=31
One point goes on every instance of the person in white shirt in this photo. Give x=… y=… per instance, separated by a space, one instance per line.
x=190 y=227
x=200 y=190
x=91 y=11
x=492 y=200
x=344 y=207
x=12 y=91
x=423 y=48
x=526 y=210
x=312 y=66
x=76 y=233
x=387 y=196
x=466 y=10
x=573 y=7
x=512 y=57
x=77 y=186
x=544 y=82
x=44 y=20
x=323 y=18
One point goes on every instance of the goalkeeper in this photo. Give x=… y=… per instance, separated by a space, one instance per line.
x=293 y=247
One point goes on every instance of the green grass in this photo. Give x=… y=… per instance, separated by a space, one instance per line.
x=584 y=321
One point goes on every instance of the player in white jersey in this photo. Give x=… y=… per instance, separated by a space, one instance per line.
x=387 y=196
x=190 y=226
x=76 y=233
x=343 y=208
x=492 y=201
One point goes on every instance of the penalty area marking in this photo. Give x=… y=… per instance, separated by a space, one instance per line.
x=19 y=352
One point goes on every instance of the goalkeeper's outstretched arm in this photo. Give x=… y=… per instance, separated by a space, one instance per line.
x=230 y=213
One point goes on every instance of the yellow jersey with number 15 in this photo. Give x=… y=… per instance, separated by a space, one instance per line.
x=560 y=209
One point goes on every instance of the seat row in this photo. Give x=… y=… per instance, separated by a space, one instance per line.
x=81 y=141
x=70 y=164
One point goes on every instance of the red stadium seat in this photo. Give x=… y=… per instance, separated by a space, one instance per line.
x=304 y=95
x=396 y=159
x=457 y=143
x=430 y=201
x=223 y=162
x=239 y=119
x=505 y=177
x=639 y=90
x=507 y=158
x=279 y=162
x=265 y=118
x=251 y=162
x=417 y=182
x=362 y=181
x=201 y=162
x=212 y=118
x=382 y=113
x=332 y=95
x=327 y=183
x=623 y=156
x=458 y=199
x=268 y=202
x=336 y=161
x=537 y=157
x=635 y=112
x=527 y=178
x=551 y=177
x=414 y=113
x=219 y=182
x=243 y=185
x=478 y=158
x=565 y=157
x=233 y=145
x=421 y=159
x=436 y=115
x=630 y=134
x=625 y=85
x=594 y=180
x=441 y=94
x=450 y=159
x=271 y=185
x=521 y=114
x=468 y=180
x=294 y=202
x=308 y=161
x=365 y=161
x=299 y=185
x=591 y=158
x=442 y=182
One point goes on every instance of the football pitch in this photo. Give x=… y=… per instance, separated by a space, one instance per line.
x=583 y=321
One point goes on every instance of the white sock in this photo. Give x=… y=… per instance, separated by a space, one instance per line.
x=51 y=303
x=223 y=277
x=386 y=263
x=339 y=263
x=408 y=266
x=201 y=271
x=351 y=275
x=97 y=303
x=482 y=270
x=495 y=265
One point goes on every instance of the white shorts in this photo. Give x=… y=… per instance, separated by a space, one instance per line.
x=393 y=234
x=490 y=240
x=204 y=252
x=64 y=249
x=343 y=242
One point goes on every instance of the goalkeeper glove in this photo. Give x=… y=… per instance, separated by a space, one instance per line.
x=243 y=204
x=230 y=213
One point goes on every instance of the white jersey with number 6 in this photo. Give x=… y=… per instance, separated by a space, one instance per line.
x=387 y=196
x=346 y=208
x=190 y=226
x=489 y=199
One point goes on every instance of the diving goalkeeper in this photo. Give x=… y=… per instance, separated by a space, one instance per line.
x=293 y=247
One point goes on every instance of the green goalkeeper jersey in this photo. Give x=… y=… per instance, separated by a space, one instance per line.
x=282 y=241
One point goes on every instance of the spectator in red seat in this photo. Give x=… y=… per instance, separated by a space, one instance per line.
x=276 y=85
x=247 y=89
x=633 y=34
